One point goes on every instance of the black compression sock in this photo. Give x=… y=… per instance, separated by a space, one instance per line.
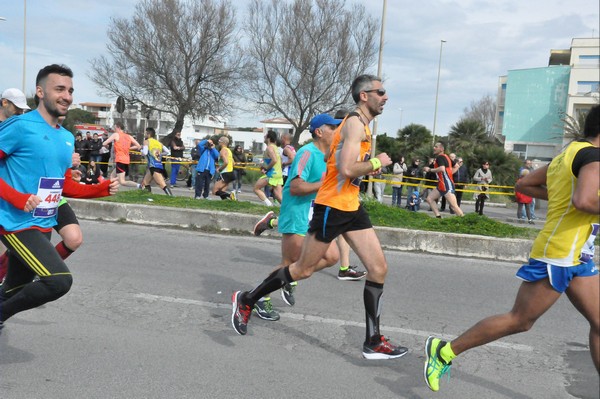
x=275 y=281
x=372 y=298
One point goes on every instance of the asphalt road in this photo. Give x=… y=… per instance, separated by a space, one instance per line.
x=149 y=317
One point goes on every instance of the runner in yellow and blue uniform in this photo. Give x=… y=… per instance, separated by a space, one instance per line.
x=561 y=259
x=225 y=169
x=154 y=151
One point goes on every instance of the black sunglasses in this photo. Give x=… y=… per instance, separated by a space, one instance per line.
x=380 y=92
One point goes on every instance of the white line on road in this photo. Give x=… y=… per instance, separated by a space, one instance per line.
x=323 y=320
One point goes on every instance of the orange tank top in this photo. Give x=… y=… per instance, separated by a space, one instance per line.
x=337 y=191
x=122 y=148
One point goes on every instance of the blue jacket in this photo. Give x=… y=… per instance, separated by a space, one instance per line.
x=208 y=157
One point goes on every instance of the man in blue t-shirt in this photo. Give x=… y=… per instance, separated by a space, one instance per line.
x=31 y=187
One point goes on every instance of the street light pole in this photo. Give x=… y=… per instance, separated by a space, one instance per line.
x=374 y=133
x=24 y=41
x=437 y=90
x=401 y=110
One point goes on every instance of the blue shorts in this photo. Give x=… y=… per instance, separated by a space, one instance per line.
x=559 y=276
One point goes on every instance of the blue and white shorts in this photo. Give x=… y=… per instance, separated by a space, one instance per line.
x=559 y=276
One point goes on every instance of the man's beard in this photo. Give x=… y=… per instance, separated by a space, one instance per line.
x=375 y=111
x=53 y=111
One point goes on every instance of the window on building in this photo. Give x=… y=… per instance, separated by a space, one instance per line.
x=240 y=143
x=590 y=86
x=589 y=60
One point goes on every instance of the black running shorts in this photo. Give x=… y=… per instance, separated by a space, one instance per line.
x=327 y=223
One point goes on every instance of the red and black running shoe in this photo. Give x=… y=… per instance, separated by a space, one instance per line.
x=383 y=349
x=240 y=315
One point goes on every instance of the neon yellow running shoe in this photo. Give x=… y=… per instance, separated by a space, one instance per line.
x=435 y=366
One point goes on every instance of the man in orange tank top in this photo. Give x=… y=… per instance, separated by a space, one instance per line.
x=337 y=211
x=122 y=144
x=442 y=167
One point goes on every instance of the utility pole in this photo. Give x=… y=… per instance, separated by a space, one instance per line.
x=437 y=90
x=374 y=133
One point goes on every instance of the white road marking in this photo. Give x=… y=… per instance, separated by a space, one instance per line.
x=323 y=320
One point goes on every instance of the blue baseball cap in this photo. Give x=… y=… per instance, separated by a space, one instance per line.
x=322 y=119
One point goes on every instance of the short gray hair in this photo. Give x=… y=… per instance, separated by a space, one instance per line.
x=362 y=83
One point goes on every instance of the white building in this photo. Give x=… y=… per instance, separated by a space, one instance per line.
x=135 y=120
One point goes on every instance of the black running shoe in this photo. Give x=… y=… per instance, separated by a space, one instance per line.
x=383 y=349
x=287 y=294
x=264 y=310
x=240 y=314
x=351 y=274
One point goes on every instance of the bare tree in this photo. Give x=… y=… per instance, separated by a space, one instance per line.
x=304 y=54
x=173 y=56
x=484 y=111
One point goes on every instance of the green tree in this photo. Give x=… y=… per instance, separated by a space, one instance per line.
x=389 y=145
x=414 y=140
x=78 y=117
x=465 y=135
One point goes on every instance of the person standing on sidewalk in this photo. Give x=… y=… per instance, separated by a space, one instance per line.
x=527 y=164
x=205 y=169
x=461 y=178
x=177 y=147
x=561 y=259
x=239 y=161
x=483 y=177
x=398 y=170
x=338 y=211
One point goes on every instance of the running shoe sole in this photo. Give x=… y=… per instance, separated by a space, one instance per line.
x=427 y=346
x=382 y=356
x=262 y=316
x=352 y=278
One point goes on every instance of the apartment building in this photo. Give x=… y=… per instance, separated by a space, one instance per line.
x=532 y=103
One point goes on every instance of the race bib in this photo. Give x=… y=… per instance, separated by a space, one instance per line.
x=587 y=252
x=50 y=191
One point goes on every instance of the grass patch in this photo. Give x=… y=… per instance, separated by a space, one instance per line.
x=471 y=223
x=381 y=215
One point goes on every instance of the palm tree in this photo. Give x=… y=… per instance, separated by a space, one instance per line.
x=412 y=137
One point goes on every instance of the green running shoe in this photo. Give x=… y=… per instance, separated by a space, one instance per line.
x=435 y=366
x=264 y=310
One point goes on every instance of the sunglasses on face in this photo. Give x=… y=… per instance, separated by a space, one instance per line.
x=380 y=92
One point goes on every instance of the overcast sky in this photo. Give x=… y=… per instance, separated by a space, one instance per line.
x=484 y=39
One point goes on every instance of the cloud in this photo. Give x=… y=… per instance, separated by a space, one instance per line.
x=484 y=39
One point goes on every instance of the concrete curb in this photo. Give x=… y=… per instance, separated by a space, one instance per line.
x=463 y=245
